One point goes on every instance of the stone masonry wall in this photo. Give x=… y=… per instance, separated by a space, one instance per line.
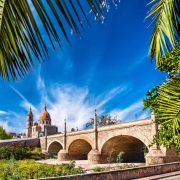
x=31 y=142
x=124 y=174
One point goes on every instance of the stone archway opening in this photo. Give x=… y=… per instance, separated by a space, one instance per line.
x=132 y=148
x=79 y=149
x=54 y=148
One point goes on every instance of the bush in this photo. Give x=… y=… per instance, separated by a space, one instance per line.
x=29 y=169
x=19 y=153
x=129 y=166
x=120 y=157
x=8 y=152
x=4 y=134
x=99 y=169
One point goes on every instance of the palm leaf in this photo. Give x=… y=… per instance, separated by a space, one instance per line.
x=21 y=37
x=169 y=103
x=165 y=17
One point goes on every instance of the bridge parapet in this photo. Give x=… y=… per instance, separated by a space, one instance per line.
x=23 y=142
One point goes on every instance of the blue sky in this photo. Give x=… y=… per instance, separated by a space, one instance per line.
x=108 y=69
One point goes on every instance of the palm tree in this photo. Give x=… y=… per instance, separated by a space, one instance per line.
x=164 y=45
x=20 y=34
x=166 y=19
x=21 y=37
x=169 y=103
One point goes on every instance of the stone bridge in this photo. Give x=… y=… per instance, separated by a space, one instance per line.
x=103 y=144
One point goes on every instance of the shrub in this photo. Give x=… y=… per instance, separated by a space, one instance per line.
x=18 y=153
x=29 y=169
x=8 y=152
x=110 y=158
x=128 y=166
x=4 y=134
x=119 y=158
x=99 y=169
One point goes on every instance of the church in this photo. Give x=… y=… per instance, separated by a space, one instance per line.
x=41 y=128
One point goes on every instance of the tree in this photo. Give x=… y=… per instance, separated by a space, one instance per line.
x=72 y=130
x=166 y=20
x=166 y=137
x=107 y=120
x=21 y=37
x=171 y=62
x=164 y=99
x=169 y=103
x=4 y=134
x=151 y=100
x=103 y=120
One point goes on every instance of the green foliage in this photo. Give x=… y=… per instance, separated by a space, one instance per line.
x=4 y=134
x=164 y=100
x=170 y=62
x=151 y=100
x=166 y=137
x=16 y=152
x=120 y=157
x=21 y=36
x=128 y=166
x=165 y=18
x=111 y=158
x=169 y=103
x=99 y=169
x=29 y=169
x=110 y=168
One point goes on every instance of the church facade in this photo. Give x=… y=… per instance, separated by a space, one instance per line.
x=42 y=127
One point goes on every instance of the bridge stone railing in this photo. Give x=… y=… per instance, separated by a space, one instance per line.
x=24 y=142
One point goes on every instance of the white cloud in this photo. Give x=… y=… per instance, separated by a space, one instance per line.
x=3 y=113
x=132 y=112
x=75 y=104
x=104 y=98
x=72 y=103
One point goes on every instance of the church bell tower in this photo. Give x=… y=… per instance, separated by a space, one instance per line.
x=29 y=123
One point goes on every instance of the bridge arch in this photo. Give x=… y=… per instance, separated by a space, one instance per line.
x=133 y=148
x=79 y=148
x=54 y=147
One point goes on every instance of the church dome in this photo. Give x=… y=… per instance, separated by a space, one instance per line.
x=44 y=117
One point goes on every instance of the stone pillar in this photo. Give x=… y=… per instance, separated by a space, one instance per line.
x=95 y=132
x=155 y=154
x=46 y=139
x=94 y=155
x=63 y=154
x=65 y=134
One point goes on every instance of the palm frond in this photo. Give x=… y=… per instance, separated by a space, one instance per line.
x=165 y=17
x=20 y=34
x=169 y=103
